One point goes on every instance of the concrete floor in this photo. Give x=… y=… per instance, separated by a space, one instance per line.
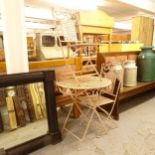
x=134 y=135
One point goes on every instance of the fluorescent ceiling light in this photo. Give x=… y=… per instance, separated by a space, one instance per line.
x=38 y=13
x=75 y=4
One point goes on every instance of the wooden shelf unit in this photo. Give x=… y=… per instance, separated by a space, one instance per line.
x=91 y=25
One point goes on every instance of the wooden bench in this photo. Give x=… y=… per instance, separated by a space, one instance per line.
x=141 y=87
x=126 y=92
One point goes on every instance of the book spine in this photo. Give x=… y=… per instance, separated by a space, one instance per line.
x=2 y=103
x=37 y=108
x=41 y=96
x=23 y=101
x=2 y=97
x=5 y=118
x=29 y=102
x=25 y=109
x=19 y=112
x=1 y=123
x=11 y=112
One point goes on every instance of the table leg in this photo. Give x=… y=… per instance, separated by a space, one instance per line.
x=76 y=112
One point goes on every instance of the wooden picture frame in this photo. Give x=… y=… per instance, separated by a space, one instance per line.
x=53 y=135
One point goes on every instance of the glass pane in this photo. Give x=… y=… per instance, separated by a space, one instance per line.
x=22 y=114
x=61 y=39
x=48 y=41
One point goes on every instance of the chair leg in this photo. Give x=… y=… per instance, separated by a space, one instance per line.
x=66 y=120
x=114 y=111
x=86 y=116
x=108 y=115
x=74 y=135
x=87 y=120
x=85 y=131
x=88 y=125
x=100 y=119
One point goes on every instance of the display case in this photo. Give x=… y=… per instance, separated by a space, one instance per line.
x=31 y=47
x=52 y=46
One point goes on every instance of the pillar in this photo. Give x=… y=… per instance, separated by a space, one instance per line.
x=14 y=34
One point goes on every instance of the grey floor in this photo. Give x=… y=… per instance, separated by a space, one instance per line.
x=134 y=134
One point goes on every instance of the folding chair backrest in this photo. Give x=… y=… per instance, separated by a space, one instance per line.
x=117 y=86
x=107 y=73
x=64 y=72
x=89 y=68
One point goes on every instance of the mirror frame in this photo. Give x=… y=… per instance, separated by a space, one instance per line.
x=53 y=135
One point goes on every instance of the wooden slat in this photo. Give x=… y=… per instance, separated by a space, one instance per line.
x=142 y=29
x=38 y=65
x=141 y=87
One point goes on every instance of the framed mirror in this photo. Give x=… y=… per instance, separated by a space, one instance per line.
x=28 y=117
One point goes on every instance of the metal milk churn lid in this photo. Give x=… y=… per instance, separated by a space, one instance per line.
x=130 y=73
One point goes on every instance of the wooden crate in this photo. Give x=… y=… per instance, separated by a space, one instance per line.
x=142 y=29
x=96 y=18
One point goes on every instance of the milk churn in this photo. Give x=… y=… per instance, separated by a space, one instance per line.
x=130 y=73
x=146 y=64
x=117 y=69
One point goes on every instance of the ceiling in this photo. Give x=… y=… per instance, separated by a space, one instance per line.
x=121 y=10
x=116 y=8
x=38 y=3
